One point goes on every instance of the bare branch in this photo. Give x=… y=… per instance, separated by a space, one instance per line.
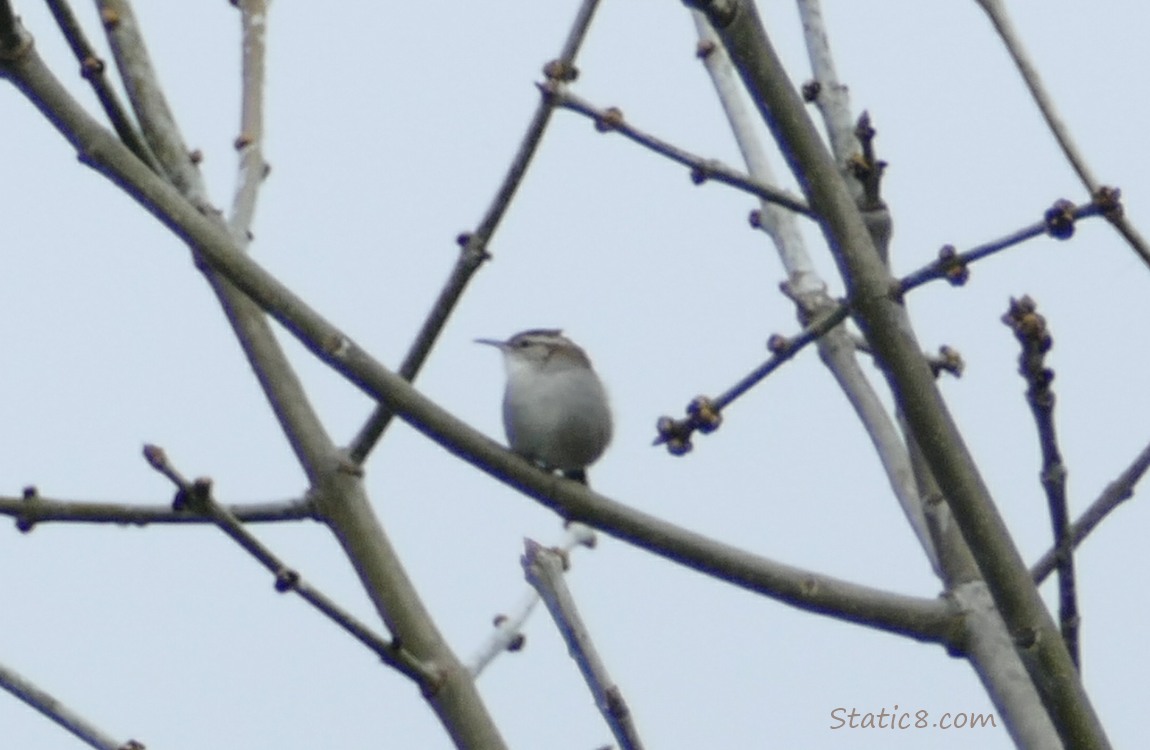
x=197 y=497
x=289 y=402
x=157 y=122
x=827 y=92
x=1116 y=492
x=30 y=511
x=1058 y=222
x=611 y=120
x=807 y=289
x=507 y=635
x=996 y=10
x=885 y=324
x=1030 y=329
x=544 y=571
x=473 y=246
x=92 y=68
x=803 y=279
x=252 y=168
x=704 y=414
x=23 y=688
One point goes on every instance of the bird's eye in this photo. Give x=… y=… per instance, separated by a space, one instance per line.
x=522 y=344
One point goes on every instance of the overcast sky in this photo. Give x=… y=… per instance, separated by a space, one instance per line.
x=389 y=127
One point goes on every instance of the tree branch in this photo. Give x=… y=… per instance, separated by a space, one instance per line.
x=996 y=10
x=197 y=497
x=23 y=688
x=252 y=167
x=473 y=246
x=507 y=634
x=611 y=121
x=92 y=68
x=337 y=486
x=285 y=394
x=1115 y=493
x=32 y=509
x=704 y=413
x=807 y=290
x=544 y=571
x=885 y=324
x=1057 y=222
x=1030 y=329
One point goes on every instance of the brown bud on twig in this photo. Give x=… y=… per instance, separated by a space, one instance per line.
x=1059 y=220
x=612 y=118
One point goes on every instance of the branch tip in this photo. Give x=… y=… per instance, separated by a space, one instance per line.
x=156 y=457
x=1109 y=202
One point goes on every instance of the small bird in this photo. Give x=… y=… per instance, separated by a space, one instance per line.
x=555 y=409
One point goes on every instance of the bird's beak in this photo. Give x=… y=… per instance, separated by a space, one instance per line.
x=491 y=342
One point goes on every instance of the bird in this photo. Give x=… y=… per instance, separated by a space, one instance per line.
x=555 y=409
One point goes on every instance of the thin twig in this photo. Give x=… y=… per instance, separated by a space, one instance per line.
x=805 y=286
x=1030 y=329
x=23 y=688
x=544 y=571
x=473 y=246
x=92 y=68
x=249 y=143
x=851 y=140
x=32 y=509
x=781 y=225
x=1116 y=492
x=996 y=10
x=157 y=123
x=827 y=92
x=704 y=414
x=611 y=120
x=1058 y=222
x=285 y=393
x=507 y=635
x=196 y=496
